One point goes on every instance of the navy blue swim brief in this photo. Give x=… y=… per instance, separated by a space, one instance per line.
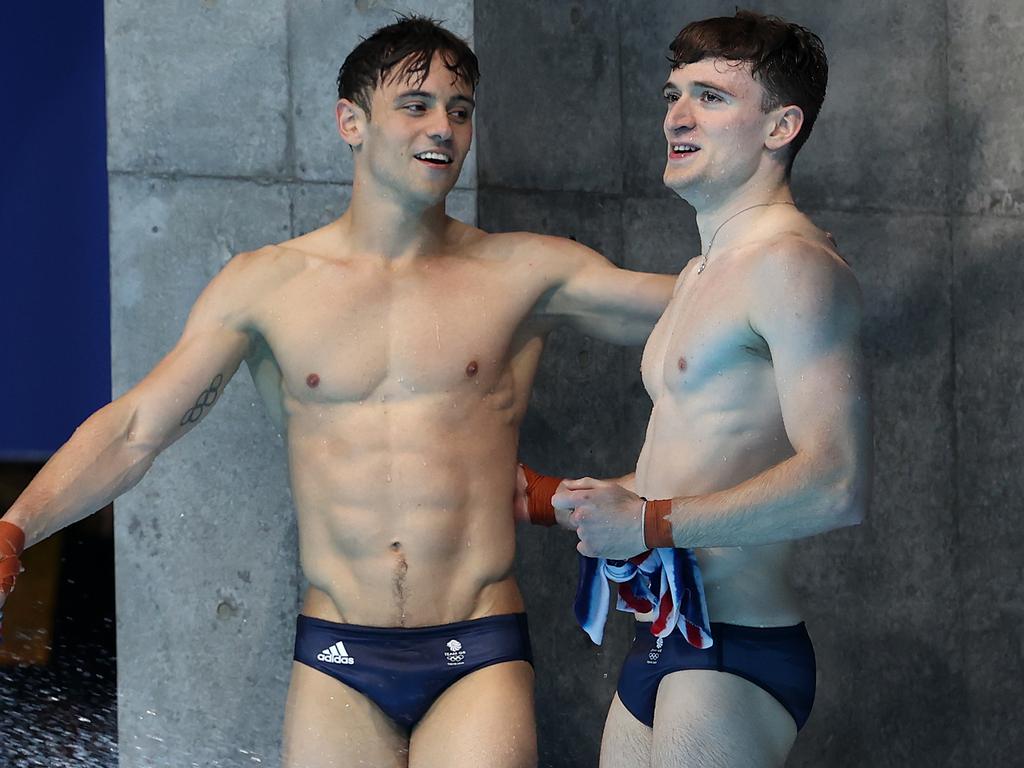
x=404 y=670
x=780 y=660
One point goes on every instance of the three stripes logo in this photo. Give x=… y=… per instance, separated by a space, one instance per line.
x=336 y=654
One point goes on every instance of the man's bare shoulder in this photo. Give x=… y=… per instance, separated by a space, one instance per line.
x=253 y=271
x=236 y=292
x=799 y=257
x=324 y=242
x=804 y=273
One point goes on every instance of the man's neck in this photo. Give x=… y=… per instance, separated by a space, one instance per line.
x=716 y=216
x=381 y=224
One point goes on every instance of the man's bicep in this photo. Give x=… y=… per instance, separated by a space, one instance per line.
x=182 y=388
x=815 y=344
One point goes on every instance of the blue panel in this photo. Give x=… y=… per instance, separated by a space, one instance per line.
x=54 y=273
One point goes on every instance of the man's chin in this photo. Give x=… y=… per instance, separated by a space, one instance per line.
x=423 y=197
x=682 y=187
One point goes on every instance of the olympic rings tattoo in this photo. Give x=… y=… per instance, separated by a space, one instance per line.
x=205 y=402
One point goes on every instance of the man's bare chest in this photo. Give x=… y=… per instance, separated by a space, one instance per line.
x=357 y=335
x=704 y=339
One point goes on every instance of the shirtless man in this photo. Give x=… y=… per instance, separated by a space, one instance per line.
x=760 y=432
x=396 y=347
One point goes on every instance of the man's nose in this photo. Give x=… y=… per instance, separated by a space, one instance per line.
x=440 y=128
x=679 y=117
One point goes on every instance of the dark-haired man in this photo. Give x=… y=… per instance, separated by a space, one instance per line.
x=396 y=347
x=760 y=431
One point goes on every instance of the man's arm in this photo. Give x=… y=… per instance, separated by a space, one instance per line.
x=808 y=310
x=596 y=297
x=111 y=451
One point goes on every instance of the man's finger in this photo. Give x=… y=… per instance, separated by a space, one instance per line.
x=567 y=499
x=581 y=484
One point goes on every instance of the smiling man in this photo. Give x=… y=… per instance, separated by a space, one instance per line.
x=760 y=432
x=395 y=348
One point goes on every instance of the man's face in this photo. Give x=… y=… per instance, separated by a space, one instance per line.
x=419 y=134
x=714 y=126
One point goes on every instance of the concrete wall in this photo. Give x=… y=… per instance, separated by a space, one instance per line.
x=916 y=165
x=221 y=139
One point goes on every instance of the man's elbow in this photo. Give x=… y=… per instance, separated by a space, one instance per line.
x=852 y=499
x=126 y=429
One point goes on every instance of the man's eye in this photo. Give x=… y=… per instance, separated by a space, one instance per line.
x=670 y=97
x=709 y=97
x=415 y=108
x=460 y=114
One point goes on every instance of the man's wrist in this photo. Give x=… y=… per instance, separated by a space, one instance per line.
x=12 y=544
x=657 y=526
x=539 y=490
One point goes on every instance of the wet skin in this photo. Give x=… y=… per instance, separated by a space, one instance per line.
x=394 y=348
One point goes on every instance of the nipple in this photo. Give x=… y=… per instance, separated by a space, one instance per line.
x=312 y=381
x=682 y=363
x=472 y=368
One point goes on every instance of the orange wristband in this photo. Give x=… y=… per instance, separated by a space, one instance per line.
x=657 y=526
x=12 y=544
x=539 y=490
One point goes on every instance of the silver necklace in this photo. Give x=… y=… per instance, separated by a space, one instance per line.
x=704 y=256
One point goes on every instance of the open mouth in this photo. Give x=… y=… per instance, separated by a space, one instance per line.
x=434 y=158
x=677 y=151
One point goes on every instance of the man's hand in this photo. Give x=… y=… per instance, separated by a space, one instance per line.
x=608 y=518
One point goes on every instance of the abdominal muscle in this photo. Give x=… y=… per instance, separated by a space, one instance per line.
x=405 y=510
x=747 y=585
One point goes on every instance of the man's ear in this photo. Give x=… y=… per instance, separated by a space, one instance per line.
x=351 y=122
x=786 y=124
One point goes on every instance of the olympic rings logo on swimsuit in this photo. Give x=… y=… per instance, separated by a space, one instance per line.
x=455 y=654
x=655 y=652
x=205 y=402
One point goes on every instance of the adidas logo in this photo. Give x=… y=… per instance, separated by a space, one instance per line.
x=336 y=654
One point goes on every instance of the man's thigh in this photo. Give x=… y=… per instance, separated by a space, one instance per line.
x=626 y=742
x=329 y=725
x=709 y=719
x=484 y=719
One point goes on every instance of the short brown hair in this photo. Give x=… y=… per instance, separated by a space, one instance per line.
x=409 y=44
x=786 y=59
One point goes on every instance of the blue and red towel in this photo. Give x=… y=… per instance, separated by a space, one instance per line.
x=665 y=581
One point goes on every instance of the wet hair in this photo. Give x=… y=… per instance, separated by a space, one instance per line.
x=403 y=50
x=786 y=59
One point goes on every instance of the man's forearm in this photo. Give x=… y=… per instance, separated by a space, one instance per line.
x=797 y=498
x=102 y=459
